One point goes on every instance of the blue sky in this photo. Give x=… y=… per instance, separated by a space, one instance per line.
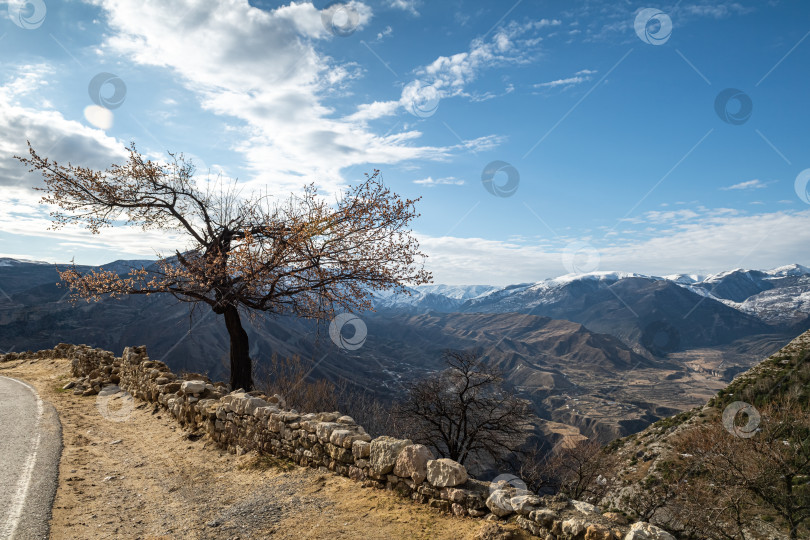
x=622 y=155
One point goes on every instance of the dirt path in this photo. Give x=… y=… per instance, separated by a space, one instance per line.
x=145 y=477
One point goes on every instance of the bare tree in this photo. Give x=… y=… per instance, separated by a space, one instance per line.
x=290 y=378
x=580 y=470
x=721 y=486
x=303 y=256
x=465 y=411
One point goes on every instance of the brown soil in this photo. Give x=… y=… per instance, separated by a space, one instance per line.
x=145 y=477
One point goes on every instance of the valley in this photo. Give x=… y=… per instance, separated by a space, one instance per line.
x=598 y=355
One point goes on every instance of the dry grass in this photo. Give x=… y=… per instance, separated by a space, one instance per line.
x=157 y=483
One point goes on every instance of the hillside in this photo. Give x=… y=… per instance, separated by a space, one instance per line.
x=685 y=447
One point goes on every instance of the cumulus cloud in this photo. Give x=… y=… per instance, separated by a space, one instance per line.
x=263 y=70
x=48 y=130
x=405 y=5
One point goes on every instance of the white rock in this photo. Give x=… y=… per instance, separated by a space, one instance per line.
x=647 y=531
x=251 y=404
x=412 y=463
x=524 y=504
x=500 y=503
x=574 y=526
x=361 y=449
x=445 y=473
x=585 y=508
x=192 y=387
x=324 y=430
x=384 y=452
x=339 y=436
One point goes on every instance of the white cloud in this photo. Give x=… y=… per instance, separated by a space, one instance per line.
x=61 y=140
x=430 y=182
x=579 y=77
x=448 y=76
x=262 y=68
x=715 y=240
x=49 y=131
x=716 y=10
x=749 y=184
x=405 y=5
x=387 y=31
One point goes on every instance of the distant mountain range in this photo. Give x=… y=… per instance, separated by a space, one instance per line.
x=779 y=295
x=606 y=352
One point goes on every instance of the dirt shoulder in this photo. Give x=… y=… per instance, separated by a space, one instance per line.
x=145 y=477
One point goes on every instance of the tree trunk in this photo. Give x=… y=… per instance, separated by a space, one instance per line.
x=241 y=366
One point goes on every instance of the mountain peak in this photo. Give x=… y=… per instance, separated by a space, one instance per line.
x=8 y=261
x=789 y=270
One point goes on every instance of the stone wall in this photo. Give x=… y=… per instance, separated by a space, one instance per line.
x=241 y=422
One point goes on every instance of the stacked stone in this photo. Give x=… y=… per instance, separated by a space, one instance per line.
x=242 y=421
x=63 y=350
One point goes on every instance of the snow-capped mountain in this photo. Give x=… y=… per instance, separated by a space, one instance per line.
x=779 y=295
x=6 y=261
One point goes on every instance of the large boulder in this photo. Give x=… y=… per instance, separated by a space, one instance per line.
x=585 y=508
x=384 y=452
x=500 y=503
x=524 y=504
x=446 y=473
x=412 y=463
x=574 y=527
x=647 y=531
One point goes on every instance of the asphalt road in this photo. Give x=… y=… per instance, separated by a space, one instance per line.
x=30 y=447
